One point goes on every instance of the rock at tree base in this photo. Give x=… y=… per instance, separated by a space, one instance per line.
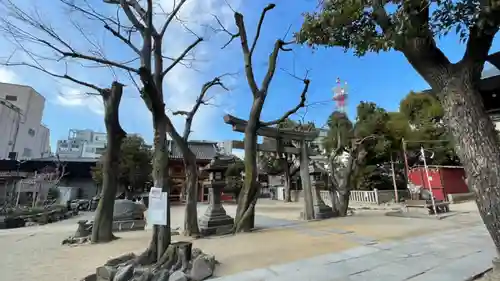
x=203 y=267
x=161 y=275
x=105 y=273
x=124 y=273
x=178 y=276
x=180 y=263
x=121 y=259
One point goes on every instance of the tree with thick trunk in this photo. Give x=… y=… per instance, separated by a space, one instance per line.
x=26 y=29
x=190 y=166
x=288 y=179
x=102 y=229
x=410 y=29
x=245 y=213
x=341 y=139
x=111 y=97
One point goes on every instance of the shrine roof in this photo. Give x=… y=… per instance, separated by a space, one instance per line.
x=204 y=150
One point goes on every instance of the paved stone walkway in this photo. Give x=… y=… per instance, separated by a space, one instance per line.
x=449 y=256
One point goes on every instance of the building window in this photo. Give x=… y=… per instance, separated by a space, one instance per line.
x=31 y=132
x=75 y=146
x=10 y=98
x=89 y=150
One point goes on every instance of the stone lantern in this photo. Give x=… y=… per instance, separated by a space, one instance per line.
x=215 y=220
x=321 y=210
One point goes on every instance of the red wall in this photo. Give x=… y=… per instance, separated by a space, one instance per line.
x=443 y=180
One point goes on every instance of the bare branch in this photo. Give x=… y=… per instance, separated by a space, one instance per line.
x=259 y=26
x=171 y=17
x=62 y=76
x=181 y=57
x=247 y=53
x=199 y=101
x=293 y=110
x=92 y=14
x=58 y=44
x=223 y=29
x=360 y=141
x=494 y=59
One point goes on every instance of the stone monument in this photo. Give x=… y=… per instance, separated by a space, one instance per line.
x=215 y=220
x=128 y=215
x=321 y=210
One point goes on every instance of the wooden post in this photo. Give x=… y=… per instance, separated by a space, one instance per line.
x=396 y=196
x=407 y=168
x=306 y=182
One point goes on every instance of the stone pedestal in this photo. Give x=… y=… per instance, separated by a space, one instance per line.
x=215 y=221
x=321 y=210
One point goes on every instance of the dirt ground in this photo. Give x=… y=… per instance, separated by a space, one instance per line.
x=35 y=253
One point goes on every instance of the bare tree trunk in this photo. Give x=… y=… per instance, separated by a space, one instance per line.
x=245 y=213
x=478 y=146
x=343 y=202
x=161 y=238
x=103 y=221
x=191 y=213
x=286 y=175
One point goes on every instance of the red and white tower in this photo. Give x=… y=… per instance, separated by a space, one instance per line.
x=340 y=95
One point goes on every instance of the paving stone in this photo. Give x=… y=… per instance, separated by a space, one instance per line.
x=251 y=275
x=459 y=269
x=451 y=256
x=360 y=264
x=387 y=272
x=360 y=251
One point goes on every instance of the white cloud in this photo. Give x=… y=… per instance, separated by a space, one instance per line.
x=182 y=85
x=8 y=76
x=70 y=97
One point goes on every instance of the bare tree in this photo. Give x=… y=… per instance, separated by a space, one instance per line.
x=111 y=98
x=189 y=158
x=244 y=220
x=341 y=175
x=148 y=65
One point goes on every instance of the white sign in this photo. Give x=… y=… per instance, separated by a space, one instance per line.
x=158 y=202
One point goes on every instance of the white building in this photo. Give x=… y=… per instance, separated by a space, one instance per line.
x=23 y=136
x=82 y=144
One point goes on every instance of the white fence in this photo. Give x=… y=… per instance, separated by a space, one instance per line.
x=368 y=197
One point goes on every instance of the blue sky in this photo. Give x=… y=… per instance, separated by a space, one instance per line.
x=381 y=78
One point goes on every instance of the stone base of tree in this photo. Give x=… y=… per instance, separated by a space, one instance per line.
x=180 y=263
x=215 y=221
x=323 y=211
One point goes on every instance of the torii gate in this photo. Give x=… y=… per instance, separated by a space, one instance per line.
x=280 y=135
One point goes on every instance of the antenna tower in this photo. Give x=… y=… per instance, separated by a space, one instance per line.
x=340 y=95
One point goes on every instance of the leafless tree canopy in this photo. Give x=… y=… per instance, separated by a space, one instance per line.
x=89 y=38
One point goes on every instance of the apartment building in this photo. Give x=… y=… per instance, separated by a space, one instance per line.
x=82 y=144
x=23 y=136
